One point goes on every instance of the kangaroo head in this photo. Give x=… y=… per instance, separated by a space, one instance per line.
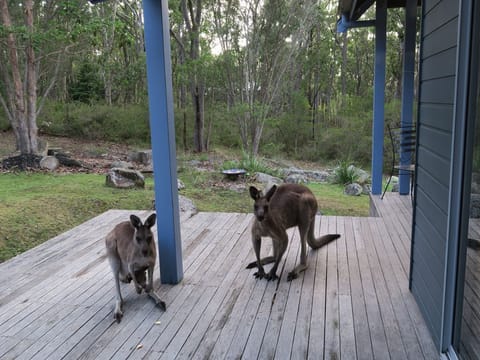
x=262 y=202
x=143 y=235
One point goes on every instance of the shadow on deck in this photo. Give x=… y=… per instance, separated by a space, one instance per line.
x=353 y=302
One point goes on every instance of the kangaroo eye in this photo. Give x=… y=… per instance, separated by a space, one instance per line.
x=255 y=207
x=138 y=238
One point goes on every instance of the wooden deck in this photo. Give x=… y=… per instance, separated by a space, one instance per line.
x=353 y=302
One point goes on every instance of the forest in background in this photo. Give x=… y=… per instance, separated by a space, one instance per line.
x=268 y=77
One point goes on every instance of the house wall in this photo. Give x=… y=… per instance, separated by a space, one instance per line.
x=438 y=63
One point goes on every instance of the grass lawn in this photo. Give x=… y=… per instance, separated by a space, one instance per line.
x=35 y=207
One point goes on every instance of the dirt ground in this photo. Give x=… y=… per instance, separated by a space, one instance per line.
x=96 y=156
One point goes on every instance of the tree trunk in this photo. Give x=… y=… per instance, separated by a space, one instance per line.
x=21 y=105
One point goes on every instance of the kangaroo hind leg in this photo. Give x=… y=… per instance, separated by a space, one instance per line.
x=302 y=266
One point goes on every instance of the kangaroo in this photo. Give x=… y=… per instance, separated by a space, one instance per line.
x=281 y=208
x=132 y=253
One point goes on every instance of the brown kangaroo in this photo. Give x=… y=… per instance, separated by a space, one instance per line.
x=132 y=253
x=281 y=208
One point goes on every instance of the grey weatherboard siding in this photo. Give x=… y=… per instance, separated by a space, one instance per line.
x=438 y=59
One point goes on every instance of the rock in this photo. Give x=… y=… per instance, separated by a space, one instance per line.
x=180 y=184
x=353 y=189
x=142 y=156
x=186 y=206
x=312 y=175
x=121 y=165
x=49 y=162
x=42 y=147
x=125 y=178
x=265 y=178
x=366 y=189
x=296 y=179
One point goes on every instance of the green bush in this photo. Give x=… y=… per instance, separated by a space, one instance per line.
x=344 y=173
x=114 y=123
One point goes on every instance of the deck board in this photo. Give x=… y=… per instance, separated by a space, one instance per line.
x=352 y=302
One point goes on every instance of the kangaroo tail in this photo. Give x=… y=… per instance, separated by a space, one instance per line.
x=316 y=243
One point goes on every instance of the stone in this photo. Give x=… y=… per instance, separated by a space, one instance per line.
x=125 y=178
x=49 y=162
x=265 y=178
x=180 y=184
x=186 y=206
x=296 y=179
x=353 y=189
x=312 y=175
x=142 y=156
x=122 y=165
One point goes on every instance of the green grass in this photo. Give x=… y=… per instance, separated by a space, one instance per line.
x=332 y=201
x=203 y=189
x=35 y=207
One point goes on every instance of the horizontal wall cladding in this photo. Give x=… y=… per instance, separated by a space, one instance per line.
x=423 y=297
x=438 y=15
x=432 y=166
x=437 y=116
x=438 y=66
x=437 y=141
x=433 y=214
x=435 y=234
x=438 y=90
x=433 y=189
x=440 y=40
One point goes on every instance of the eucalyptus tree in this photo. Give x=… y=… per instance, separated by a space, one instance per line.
x=261 y=49
x=187 y=28
x=36 y=38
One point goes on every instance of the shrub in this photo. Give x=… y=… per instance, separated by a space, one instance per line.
x=344 y=173
x=114 y=123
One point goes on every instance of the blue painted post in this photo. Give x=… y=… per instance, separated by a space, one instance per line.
x=379 y=96
x=408 y=83
x=157 y=42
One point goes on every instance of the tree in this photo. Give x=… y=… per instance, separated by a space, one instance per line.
x=21 y=93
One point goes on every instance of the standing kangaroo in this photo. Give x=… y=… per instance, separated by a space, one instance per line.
x=281 y=208
x=131 y=252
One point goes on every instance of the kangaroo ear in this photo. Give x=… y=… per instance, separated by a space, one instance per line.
x=135 y=221
x=254 y=193
x=151 y=220
x=271 y=192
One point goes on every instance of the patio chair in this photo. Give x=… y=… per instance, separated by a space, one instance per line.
x=403 y=141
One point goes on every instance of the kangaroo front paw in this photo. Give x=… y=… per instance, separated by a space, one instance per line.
x=252 y=265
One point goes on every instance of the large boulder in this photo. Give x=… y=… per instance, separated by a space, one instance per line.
x=125 y=178
x=143 y=157
x=267 y=179
x=353 y=189
x=49 y=162
x=309 y=175
x=296 y=179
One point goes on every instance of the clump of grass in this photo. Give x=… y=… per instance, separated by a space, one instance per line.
x=344 y=173
x=252 y=164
